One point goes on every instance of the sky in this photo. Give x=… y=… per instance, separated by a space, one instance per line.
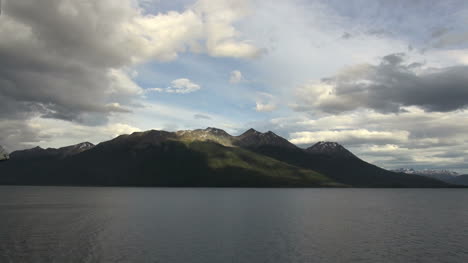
x=386 y=79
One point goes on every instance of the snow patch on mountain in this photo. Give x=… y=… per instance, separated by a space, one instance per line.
x=329 y=148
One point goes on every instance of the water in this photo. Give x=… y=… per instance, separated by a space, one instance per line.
x=86 y=224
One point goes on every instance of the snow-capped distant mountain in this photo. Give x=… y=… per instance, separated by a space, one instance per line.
x=329 y=148
x=427 y=172
x=75 y=149
x=443 y=175
x=3 y=154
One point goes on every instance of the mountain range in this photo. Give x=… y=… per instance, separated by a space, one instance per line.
x=443 y=175
x=202 y=158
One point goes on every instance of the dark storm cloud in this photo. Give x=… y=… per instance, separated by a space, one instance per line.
x=56 y=60
x=391 y=85
x=16 y=134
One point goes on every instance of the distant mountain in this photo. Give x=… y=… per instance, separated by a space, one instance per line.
x=336 y=162
x=3 y=154
x=60 y=153
x=460 y=180
x=427 y=172
x=443 y=175
x=203 y=157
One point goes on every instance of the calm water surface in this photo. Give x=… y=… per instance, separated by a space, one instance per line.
x=87 y=224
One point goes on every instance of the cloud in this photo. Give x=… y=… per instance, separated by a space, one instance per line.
x=236 y=77
x=350 y=137
x=201 y=117
x=446 y=38
x=388 y=87
x=265 y=102
x=74 y=60
x=182 y=86
x=154 y=90
x=163 y=116
x=56 y=133
x=17 y=134
x=69 y=59
x=222 y=39
x=406 y=139
x=265 y=107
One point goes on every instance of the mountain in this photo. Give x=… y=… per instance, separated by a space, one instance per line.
x=3 y=154
x=208 y=134
x=254 y=139
x=427 y=172
x=159 y=158
x=203 y=157
x=443 y=175
x=330 y=149
x=339 y=164
x=60 y=153
x=460 y=180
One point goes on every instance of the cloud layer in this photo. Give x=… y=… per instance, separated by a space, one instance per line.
x=388 y=87
x=74 y=60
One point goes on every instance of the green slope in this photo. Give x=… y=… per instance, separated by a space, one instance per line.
x=221 y=158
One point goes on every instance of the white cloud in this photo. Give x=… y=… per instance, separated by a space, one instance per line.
x=173 y=117
x=222 y=38
x=58 y=133
x=205 y=27
x=122 y=84
x=182 y=86
x=413 y=138
x=154 y=90
x=236 y=77
x=355 y=136
x=265 y=107
x=74 y=60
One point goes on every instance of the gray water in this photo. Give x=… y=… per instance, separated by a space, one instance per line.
x=87 y=224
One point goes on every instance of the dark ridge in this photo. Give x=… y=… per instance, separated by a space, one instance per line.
x=204 y=157
x=38 y=152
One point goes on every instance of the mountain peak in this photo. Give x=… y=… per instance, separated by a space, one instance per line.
x=209 y=134
x=329 y=148
x=74 y=149
x=254 y=139
x=249 y=132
